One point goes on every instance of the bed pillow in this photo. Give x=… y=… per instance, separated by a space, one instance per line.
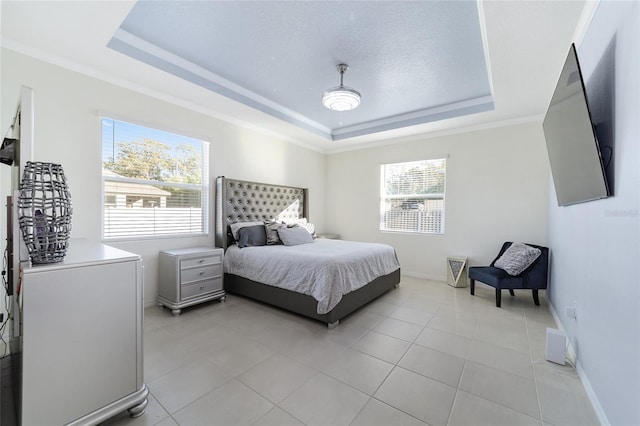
x=236 y=226
x=272 y=232
x=517 y=258
x=294 y=236
x=304 y=223
x=252 y=236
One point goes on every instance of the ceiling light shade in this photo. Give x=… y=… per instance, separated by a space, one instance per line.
x=341 y=98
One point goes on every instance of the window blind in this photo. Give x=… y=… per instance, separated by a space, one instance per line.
x=154 y=182
x=412 y=196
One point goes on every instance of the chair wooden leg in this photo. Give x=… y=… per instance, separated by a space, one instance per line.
x=472 y=286
x=535 y=297
x=511 y=292
x=498 y=297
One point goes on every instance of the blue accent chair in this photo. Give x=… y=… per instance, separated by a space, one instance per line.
x=535 y=277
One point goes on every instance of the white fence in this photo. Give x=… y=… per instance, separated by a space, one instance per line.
x=414 y=220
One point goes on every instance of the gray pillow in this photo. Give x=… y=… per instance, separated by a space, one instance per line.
x=236 y=226
x=252 y=236
x=517 y=258
x=272 y=232
x=294 y=236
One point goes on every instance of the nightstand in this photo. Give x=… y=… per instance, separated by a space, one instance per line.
x=190 y=276
x=329 y=236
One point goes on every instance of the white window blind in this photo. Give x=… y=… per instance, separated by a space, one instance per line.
x=412 y=196
x=154 y=183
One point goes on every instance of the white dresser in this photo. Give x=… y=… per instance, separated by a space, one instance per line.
x=190 y=276
x=81 y=337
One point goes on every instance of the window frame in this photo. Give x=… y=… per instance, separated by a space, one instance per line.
x=204 y=186
x=384 y=198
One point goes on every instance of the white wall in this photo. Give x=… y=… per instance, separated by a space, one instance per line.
x=596 y=245
x=67 y=131
x=496 y=191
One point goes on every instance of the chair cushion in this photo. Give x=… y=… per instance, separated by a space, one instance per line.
x=495 y=277
x=517 y=258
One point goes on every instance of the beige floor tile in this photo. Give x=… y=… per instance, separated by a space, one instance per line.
x=560 y=407
x=322 y=354
x=419 y=396
x=469 y=410
x=231 y=404
x=325 y=401
x=240 y=356
x=563 y=400
x=163 y=354
x=505 y=337
x=381 y=346
x=504 y=388
x=238 y=336
x=346 y=334
x=381 y=307
x=442 y=341
x=437 y=365
x=278 y=417
x=501 y=358
x=276 y=377
x=461 y=325
x=413 y=316
x=359 y=370
x=186 y=384
x=363 y=318
x=422 y=304
x=377 y=413
x=167 y=422
x=400 y=329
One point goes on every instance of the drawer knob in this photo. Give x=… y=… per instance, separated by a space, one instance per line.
x=201 y=273
x=201 y=261
x=201 y=287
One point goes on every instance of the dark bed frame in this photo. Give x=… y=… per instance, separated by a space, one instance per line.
x=242 y=201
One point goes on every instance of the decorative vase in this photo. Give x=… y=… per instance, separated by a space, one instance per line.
x=45 y=212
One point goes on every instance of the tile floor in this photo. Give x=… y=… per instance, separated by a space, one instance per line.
x=424 y=353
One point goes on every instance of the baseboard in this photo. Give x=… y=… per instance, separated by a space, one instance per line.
x=573 y=357
x=425 y=276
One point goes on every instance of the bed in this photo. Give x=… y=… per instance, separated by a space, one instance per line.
x=240 y=201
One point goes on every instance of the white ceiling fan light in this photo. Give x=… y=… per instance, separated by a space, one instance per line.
x=341 y=98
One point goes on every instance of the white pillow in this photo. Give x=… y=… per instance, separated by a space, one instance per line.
x=517 y=258
x=235 y=226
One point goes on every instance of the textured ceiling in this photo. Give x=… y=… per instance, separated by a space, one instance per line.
x=526 y=43
x=413 y=62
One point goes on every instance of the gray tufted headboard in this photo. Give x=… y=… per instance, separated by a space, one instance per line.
x=242 y=201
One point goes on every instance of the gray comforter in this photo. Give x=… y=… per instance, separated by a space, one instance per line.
x=325 y=269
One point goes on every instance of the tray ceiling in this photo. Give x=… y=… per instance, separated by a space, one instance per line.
x=413 y=62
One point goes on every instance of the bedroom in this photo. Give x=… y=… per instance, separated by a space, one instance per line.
x=483 y=161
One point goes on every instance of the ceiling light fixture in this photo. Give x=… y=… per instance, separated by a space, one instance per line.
x=341 y=98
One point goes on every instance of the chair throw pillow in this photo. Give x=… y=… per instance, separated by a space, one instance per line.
x=517 y=258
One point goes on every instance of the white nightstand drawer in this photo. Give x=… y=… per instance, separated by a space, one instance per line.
x=188 y=275
x=199 y=288
x=200 y=261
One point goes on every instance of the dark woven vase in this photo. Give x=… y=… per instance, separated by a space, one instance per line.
x=45 y=212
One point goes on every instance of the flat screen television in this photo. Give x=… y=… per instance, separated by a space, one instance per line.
x=574 y=153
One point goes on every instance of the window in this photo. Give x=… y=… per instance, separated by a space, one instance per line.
x=412 y=196
x=154 y=183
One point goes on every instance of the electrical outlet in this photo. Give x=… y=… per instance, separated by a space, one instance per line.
x=571 y=311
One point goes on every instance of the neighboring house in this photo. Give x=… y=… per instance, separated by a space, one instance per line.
x=127 y=194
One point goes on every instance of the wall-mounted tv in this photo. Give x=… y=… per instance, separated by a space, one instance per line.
x=574 y=153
